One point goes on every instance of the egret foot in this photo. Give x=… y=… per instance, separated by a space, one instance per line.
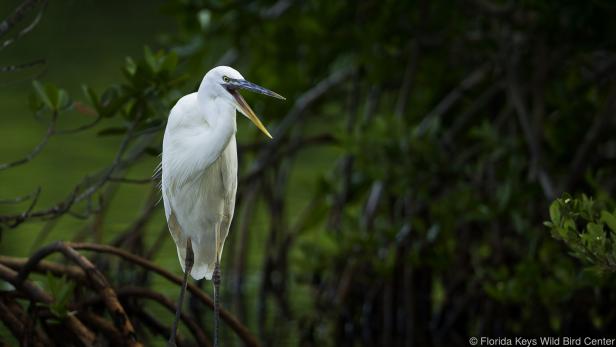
x=188 y=264
x=216 y=281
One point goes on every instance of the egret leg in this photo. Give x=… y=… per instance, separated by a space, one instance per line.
x=188 y=264
x=216 y=281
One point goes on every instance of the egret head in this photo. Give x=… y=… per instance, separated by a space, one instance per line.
x=225 y=82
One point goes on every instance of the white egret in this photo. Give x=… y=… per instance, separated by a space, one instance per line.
x=199 y=174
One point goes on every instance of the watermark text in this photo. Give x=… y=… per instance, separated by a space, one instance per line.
x=541 y=341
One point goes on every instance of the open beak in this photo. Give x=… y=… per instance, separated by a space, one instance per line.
x=233 y=87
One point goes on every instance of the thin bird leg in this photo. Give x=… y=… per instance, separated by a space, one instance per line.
x=216 y=280
x=188 y=264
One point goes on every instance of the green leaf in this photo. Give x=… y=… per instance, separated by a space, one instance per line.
x=609 y=219
x=594 y=238
x=63 y=100
x=61 y=289
x=130 y=66
x=555 y=212
x=170 y=62
x=204 y=16
x=150 y=59
x=35 y=103
x=52 y=97
x=111 y=101
x=42 y=94
x=91 y=95
x=53 y=94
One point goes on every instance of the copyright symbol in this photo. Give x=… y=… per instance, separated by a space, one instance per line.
x=473 y=341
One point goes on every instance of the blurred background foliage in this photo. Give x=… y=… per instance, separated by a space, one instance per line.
x=402 y=201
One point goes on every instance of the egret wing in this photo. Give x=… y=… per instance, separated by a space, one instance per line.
x=228 y=171
x=179 y=237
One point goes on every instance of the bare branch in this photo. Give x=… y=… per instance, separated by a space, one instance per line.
x=276 y=10
x=152 y=323
x=37 y=149
x=80 y=128
x=95 y=278
x=35 y=293
x=407 y=82
x=15 y=325
x=481 y=101
x=18 y=67
x=132 y=180
x=27 y=29
x=144 y=293
x=301 y=105
x=292 y=148
x=18 y=15
x=123 y=159
x=104 y=326
x=233 y=323
x=536 y=168
x=21 y=198
x=44 y=266
x=470 y=81
x=580 y=161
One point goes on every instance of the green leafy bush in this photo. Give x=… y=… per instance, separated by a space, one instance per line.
x=587 y=227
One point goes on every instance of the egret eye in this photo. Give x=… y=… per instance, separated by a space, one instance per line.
x=226 y=79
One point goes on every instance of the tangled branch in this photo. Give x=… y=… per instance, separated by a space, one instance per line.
x=17 y=271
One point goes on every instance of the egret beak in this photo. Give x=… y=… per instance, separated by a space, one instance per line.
x=234 y=84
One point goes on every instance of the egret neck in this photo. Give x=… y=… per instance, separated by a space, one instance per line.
x=220 y=122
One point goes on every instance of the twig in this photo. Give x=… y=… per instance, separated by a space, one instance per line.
x=241 y=245
x=276 y=10
x=18 y=321
x=35 y=293
x=301 y=104
x=18 y=67
x=153 y=324
x=132 y=180
x=44 y=266
x=580 y=161
x=372 y=202
x=407 y=82
x=104 y=326
x=470 y=81
x=134 y=232
x=81 y=127
x=37 y=149
x=144 y=293
x=163 y=234
x=15 y=325
x=78 y=194
x=17 y=16
x=323 y=139
x=24 y=215
x=19 y=199
x=116 y=161
x=27 y=29
x=533 y=146
x=460 y=121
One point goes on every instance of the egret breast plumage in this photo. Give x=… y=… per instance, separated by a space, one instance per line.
x=199 y=175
